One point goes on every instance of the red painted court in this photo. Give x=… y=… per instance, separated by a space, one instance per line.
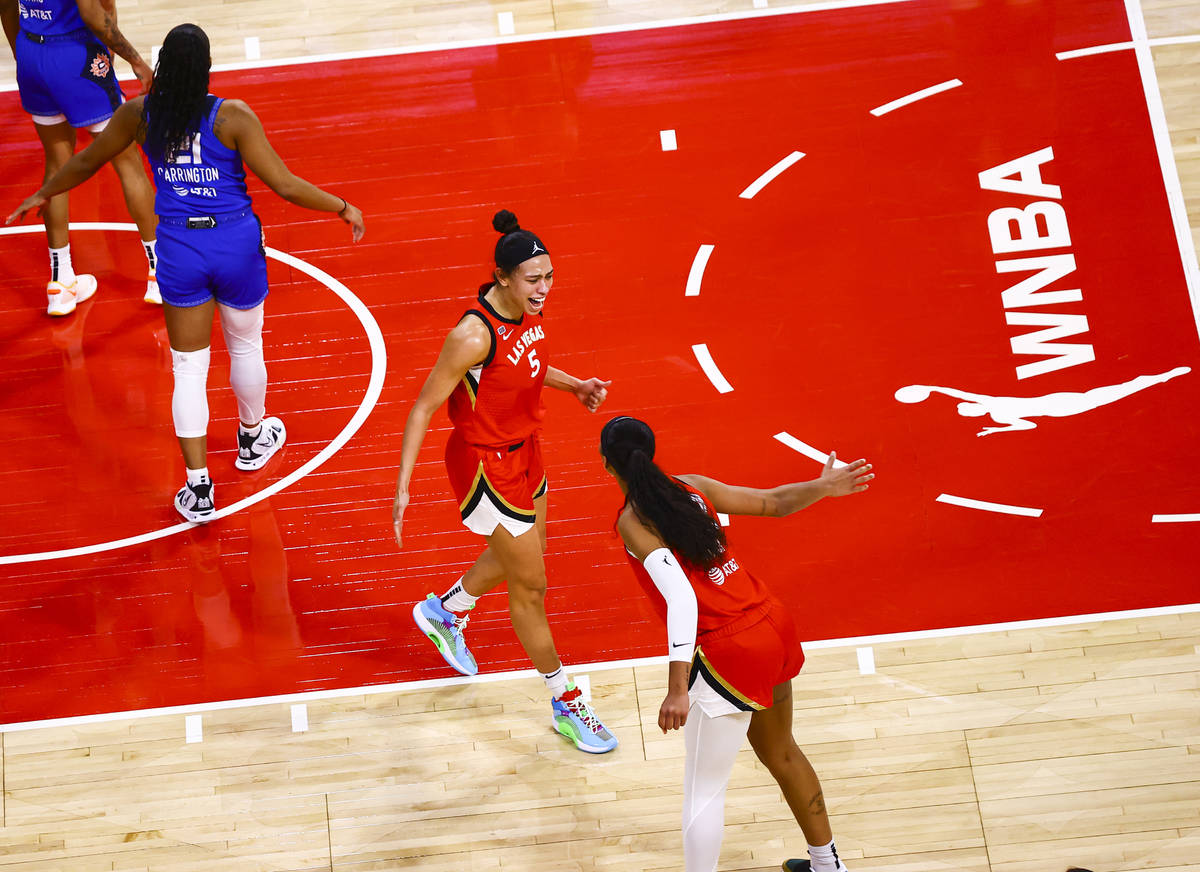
x=861 y=268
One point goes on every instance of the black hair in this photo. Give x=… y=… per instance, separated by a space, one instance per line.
x=175 y=103
x=681 y=521
x=515 y=245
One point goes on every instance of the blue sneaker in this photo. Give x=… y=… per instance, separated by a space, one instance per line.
x=445 y=629
x=574 y=719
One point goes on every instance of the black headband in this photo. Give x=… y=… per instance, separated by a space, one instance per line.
x=515 y=245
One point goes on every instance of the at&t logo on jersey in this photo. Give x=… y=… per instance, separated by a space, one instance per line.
x=718 y=574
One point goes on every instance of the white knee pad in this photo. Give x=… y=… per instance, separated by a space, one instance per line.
x=712 y=745
x=247 y=369
x=189 y=402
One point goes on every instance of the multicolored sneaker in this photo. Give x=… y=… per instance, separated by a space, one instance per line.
x=575 y=719
x=62 y=299
x=255 y=451
x=152 y=295
x=195 y=502
x=445 y=630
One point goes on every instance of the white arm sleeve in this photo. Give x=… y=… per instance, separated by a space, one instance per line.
x=668 y=577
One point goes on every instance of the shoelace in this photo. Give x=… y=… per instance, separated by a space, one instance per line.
x=581 y=710
x=460 y=624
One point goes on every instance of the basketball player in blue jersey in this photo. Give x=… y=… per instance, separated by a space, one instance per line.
x=64 y=51
x=211 y=253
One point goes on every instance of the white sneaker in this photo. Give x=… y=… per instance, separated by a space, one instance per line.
x=64 y=298
x=255 y=451
x=195 y=502
x=152 y=295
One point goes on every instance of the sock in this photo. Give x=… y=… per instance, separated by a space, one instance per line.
x=251 y=431
x=151 y=253
x=61 y=270
x=556 y=681
x=458 y=600
x=824 y=857
x=198 y=476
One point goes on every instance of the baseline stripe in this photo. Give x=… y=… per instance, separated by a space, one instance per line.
x=915 y=96
x=770 y=175
x=696 y=274
x=983 y=505
x=710 y=369
x=1174 y=519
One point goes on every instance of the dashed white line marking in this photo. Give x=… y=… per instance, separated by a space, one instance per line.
x=696 y=274
x=769 y=176
x=1093 y=50
x=504 y=21
x=915 y=96
x=300 y=718
x=1174 y=519
x=807 y=450
x=253 y=48
x=983 y=505
x=722 y=519
x=667 y=139
x=193 y=729
x=866 y=661
x=760 y=4
x=710 y=369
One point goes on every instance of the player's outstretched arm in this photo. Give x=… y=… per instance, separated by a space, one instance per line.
x=100 y=16
x=591 y=392
x=776 y=502
x=111 y=141
x=238 y=121
x=11 y=19
x=468 y=344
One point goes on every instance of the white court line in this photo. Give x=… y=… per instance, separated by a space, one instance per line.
x=807 y=450
x=253 y=48
x=193 y=729
x=1174 y=519
x=710 y=368
x=769 y=176
x=866 y=661
x=584 y=683
x=504 y=21
x=154 y=50
x=722 y=519
x=696 y=273
x=915 y=96
x=667 y=140
x=1126 y=46
x=983 y=505
x=760 y=4
x=300 y=717
x=374 y=387
x=1166 y=155
x=534 y=37
x=603 y=666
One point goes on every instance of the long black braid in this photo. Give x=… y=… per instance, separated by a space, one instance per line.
x=658 y=500
x=175 y=103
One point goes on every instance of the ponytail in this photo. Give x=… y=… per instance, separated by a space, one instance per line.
x=659 y=501
x=175 y=104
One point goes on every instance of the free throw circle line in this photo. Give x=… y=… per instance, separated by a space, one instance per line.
x=370 y=398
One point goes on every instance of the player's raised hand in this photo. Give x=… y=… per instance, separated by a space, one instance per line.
x=36 y=201
x=592 y=393
x=853 y=478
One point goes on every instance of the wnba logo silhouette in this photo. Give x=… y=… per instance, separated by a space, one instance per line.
x=1013 y=413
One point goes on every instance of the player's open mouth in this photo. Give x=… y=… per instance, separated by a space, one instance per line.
x=535 y=303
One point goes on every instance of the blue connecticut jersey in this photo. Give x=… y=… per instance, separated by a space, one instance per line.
x=50 y=17
x=204 y=178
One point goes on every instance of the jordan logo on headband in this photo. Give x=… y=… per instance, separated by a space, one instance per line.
x=536 y=249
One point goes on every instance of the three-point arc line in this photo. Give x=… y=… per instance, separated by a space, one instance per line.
x=984 y=506
x=769 y=176
x=696 y=274
x=710 y=369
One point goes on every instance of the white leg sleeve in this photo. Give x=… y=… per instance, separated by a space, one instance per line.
x=189 y=402
x=247 y=369
x=712 y=744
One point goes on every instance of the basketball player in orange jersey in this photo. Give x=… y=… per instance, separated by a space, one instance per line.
x=733 y=648
x=491 y=369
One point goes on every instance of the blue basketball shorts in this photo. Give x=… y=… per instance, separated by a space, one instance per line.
x=67 y=77
x=226 y=263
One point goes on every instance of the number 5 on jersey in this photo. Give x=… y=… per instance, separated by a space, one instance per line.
x=534 y=364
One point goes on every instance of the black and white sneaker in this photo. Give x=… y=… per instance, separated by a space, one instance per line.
x=255 y=451
x=806 y=866
x=195 y=502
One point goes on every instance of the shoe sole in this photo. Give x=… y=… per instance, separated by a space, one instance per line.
x=569 y=733
x=260 y=462
x=425 y=627
x=77 y=300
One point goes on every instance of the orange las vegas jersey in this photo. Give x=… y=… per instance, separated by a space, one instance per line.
x=725 y=594
x=499 y=401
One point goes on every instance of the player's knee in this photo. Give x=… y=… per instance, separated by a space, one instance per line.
x=779 y=756
x=527 y=588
